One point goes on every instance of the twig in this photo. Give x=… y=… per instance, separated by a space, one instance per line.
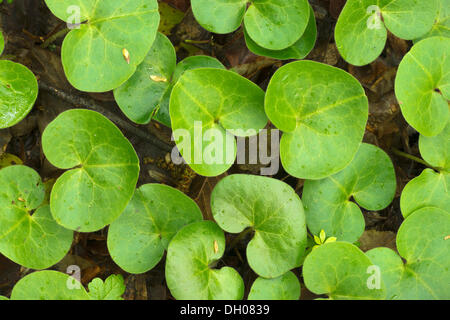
x=81 y=102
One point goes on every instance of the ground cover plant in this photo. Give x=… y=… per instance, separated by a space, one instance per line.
x=136 y=138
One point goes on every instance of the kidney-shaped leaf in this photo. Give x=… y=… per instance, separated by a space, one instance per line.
x=146 y=94
x=142 y=93
x=105 y=169
x=285 y=287
x=422 y=241
x=340 y=270
x=138 y=238
x=274 y=212
x=48 y=285
x=322 y=111
x=102 y=53
x=189 y=274
x=369 y=179
x=422 y=85
x=361 y=28
x=29 y=235
x=298 y=50
x=272 y=24
x=441 y=27
x=18 y=92
x=436 y=150
x=430 y=189
x=207 y=107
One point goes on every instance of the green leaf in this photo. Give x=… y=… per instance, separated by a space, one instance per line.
x=272 y=24
x=298 y=50
x=430 y=189
x=189 y=272
x=276 y=24
x=2 y=42
x=48 y=285
x=276 y=217
x=436 y=150
x=29 y=235
x=422 y=85
x=441 y=27
x=361 y=33
x=3 y=298
x=92 y=55
x=111 y=289
x=285 y=287
x=104 y=169
x=207 y=107
x=421 y=241
x=322 y=111
x=138 y=238
x=140 y=96
x=146 y=94
x=18 y=92
x=340 y=270
x=369 y=179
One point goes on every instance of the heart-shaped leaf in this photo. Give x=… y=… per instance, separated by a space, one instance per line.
x=298 y=50
x=48 y=285
x=190 y=256
x=286 y=287
x=361 y=28
x=138 y=238
x=441 y=27
x=276 y=217
x=436 y=150
x=422 y=85
x=18 y=92
x=146 y=94
x=422 y=241
x=29 y=235
x=369 y=179
x=340 y=270
x=430 y=189
x=322 y=111
x=272 y=24
x=111 y=289
x=207 y=107
x=103 y=53
x=105 y=169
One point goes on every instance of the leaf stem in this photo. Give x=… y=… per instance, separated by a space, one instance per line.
x=414 y=158
x=239 y=238
x=57 y=35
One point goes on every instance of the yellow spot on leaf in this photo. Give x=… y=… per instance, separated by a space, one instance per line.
x=216 y=246
x=158 y=79
x=126 y=55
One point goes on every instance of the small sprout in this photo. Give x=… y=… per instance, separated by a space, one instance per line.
x=158 y=78
x=322 y=239
x=126 y=55
x=216 y=246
